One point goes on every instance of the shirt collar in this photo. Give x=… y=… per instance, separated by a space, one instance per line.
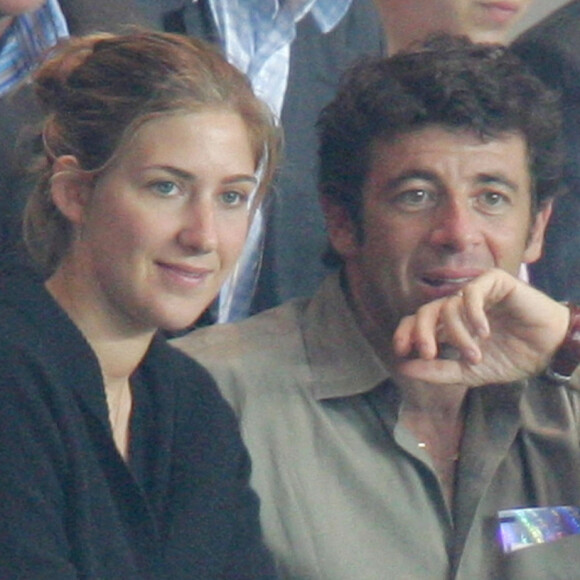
x=342 y=361
x=326 y=13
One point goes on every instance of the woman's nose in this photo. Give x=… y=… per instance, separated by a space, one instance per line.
x=198 y=232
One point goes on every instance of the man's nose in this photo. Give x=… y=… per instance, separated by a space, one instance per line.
x=456 y=226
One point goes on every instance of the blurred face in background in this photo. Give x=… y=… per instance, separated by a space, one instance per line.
x=15 y=7
x=407 y=21
x=11 y=8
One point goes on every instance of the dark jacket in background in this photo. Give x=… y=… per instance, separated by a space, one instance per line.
x=552 y=49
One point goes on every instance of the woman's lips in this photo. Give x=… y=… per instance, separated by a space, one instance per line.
x=185 y=274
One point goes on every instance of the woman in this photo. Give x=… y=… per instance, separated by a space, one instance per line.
x=118 y=458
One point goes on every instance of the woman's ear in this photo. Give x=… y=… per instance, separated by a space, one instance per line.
x=70 y=187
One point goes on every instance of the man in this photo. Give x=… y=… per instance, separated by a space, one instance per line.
x=373 y=453
x=552 y=50
x=326 y=36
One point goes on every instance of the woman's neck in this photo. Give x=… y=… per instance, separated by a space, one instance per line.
x=118 y=349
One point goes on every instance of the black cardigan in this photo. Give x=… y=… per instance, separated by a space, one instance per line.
x=69 y=505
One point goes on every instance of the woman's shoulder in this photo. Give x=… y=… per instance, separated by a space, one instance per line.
x=199 y=409
x=176 y=364
x=30 y=318
x=189 y=380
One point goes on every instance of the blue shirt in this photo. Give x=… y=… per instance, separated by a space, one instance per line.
x=257 y=34
x=26 y=42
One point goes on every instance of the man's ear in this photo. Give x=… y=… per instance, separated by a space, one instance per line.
x=535 y=245
x=70 y=188
x=342 y=231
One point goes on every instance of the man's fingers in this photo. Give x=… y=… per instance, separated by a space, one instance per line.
x=457 y=329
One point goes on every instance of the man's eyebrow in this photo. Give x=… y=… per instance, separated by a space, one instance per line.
x=191 y=177
x=431 y=177
x=411 y=174
x=497 y=179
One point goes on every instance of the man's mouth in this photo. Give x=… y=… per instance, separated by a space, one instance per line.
x=438 y=282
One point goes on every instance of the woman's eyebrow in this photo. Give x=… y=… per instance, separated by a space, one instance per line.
x=191 y=177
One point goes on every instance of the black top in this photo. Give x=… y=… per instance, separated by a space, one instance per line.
x=70 y=507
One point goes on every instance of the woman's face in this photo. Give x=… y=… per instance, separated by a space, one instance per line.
x=163 y=226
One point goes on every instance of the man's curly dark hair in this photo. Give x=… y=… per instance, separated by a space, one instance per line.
x=447 y=81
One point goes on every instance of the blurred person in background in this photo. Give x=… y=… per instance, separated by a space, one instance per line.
x=551 y=49
x=411 y=21
x=29 y=30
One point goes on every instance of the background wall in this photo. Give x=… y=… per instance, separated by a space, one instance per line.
x=537 y=11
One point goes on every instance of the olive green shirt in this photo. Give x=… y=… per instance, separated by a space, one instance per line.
x=346 y=492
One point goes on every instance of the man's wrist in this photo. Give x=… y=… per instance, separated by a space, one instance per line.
x=567 y=357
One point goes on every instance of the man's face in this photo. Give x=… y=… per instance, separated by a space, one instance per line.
x=481 y=20
x=439 y=208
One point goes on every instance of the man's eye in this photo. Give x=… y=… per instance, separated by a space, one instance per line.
x=493 y=201
x=414 y=199
x=493 y=198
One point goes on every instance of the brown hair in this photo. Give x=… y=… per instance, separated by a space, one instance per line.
x=97 y=91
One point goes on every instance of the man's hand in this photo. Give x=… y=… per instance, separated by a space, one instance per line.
x=498 y=329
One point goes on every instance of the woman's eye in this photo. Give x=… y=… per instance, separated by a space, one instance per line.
x=234 y=198
x=165 y=188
